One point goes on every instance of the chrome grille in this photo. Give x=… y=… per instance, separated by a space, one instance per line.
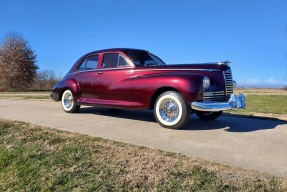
x=228 y=83
x=214 y=96
x=221 y=95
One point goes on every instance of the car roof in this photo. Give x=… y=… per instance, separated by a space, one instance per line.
x=125 y=50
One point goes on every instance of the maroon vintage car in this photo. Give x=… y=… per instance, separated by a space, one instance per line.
x=137 y=79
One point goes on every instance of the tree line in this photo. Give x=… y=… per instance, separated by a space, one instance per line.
x=18 y=67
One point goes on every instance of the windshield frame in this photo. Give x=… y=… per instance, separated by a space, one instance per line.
x=158 y=60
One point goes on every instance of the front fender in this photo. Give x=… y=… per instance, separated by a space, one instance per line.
x=188 y=84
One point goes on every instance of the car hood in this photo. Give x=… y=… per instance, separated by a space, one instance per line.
x=222 y=66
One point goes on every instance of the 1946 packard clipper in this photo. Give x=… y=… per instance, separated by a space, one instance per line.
x=136 y=79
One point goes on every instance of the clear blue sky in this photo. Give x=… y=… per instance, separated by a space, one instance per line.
x=250 y=33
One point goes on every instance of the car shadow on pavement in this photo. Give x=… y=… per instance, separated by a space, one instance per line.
x=140 y=115
x=228 y=123
x=234 y=124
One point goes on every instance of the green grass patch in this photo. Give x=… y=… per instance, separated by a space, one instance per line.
x=37 y=97
x=34 y=158
x=25 y=97
x=269 y=104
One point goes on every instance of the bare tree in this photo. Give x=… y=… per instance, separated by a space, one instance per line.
x=45 y=80
x=17 y=63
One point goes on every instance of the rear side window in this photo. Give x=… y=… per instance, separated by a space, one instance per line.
x=114 y=60
x=89 y=63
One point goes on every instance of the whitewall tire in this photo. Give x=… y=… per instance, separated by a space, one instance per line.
x=171 y=111
x=68 y=102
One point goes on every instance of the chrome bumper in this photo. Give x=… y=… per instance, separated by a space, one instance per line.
x=235 y=102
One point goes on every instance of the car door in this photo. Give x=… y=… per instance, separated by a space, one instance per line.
x=113 y=80
x=85 y=75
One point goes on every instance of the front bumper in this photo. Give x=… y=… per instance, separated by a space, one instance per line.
x=235 y=102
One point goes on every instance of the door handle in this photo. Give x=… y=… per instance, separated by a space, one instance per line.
x=100 y=72
x=75 y=74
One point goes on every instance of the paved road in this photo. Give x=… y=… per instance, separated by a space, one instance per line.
x=250 y=143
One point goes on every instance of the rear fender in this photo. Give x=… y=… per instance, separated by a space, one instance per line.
x=68 y=84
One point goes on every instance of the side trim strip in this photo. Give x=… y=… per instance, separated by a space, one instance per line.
x=138 y=70
x=209 y=70
x=98 y=70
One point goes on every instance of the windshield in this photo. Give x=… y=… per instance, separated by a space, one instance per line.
x=145 y=59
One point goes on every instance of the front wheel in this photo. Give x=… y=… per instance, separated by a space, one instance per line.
x=171 y=111
x=208 y=115
x=68 y=103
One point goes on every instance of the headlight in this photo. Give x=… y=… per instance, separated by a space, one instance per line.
x=206 y=82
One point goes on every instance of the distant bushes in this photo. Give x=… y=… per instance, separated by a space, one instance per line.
x=45 y=80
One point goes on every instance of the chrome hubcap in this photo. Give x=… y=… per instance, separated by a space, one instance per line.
x=169 y=110
x=68 y=101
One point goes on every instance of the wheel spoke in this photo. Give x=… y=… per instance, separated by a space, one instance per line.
x=169 y=110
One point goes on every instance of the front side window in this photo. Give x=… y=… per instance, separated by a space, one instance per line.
x=89 y=63
x=114 y=60
x=145 y=59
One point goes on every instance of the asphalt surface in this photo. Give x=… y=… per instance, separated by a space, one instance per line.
x=243 y=142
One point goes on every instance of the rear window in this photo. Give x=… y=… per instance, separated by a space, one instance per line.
x=89 y=63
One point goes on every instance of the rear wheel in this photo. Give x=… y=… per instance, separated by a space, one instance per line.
x=68 y=103
x=208 y=115
x=171 y=111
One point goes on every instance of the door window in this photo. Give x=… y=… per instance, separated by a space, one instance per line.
x=114 y=60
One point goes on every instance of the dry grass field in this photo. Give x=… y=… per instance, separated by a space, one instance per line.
x=261 y=91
